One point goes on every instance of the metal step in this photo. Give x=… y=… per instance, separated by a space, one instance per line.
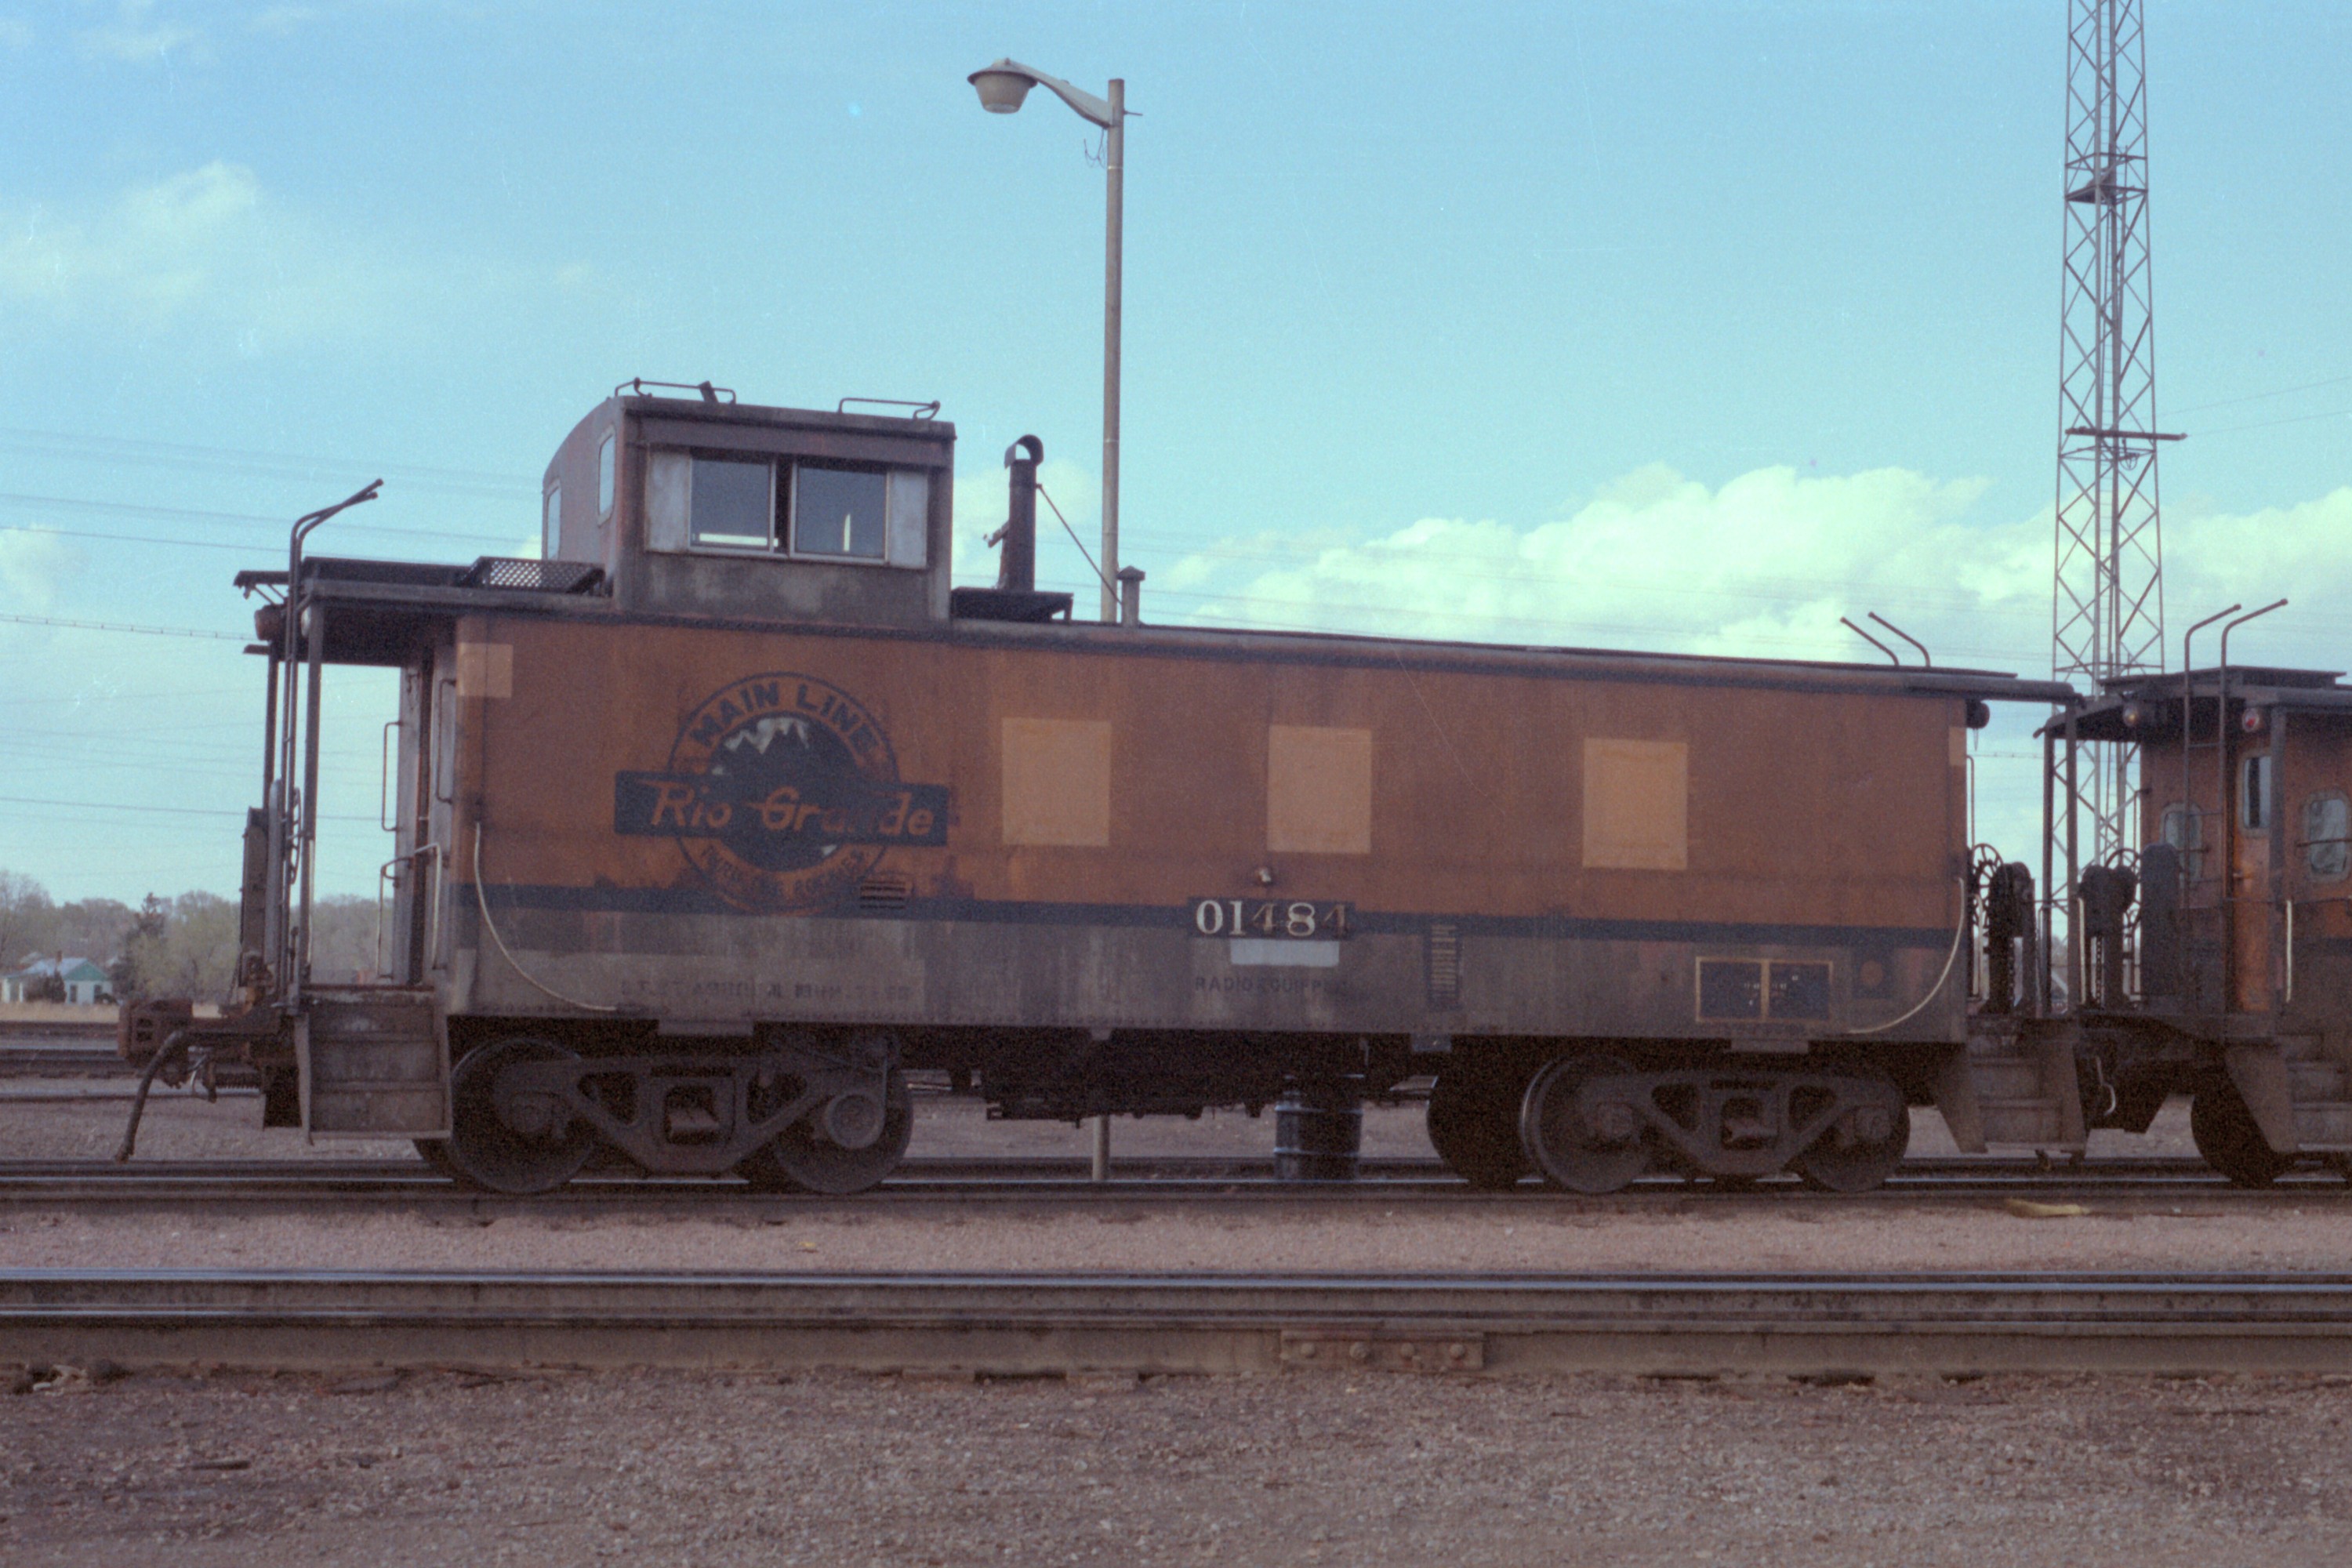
x=2317 y=1081
x=2006 y=1078
x=2323 y=1125
x=374 y=1063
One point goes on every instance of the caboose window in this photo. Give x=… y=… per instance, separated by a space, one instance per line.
x=826 y=511
x=839 y=511
x=2184 y=829
x=550 y=523
x=731 y=505
x=2327 y=837
x=604 y=478
x=2254 y=793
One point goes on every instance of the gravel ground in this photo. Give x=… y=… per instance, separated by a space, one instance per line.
x=1666 y=1234
x=260 y=1472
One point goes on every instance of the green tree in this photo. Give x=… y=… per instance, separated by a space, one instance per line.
x=198 y=953
x=345 y=940
x=91 y=928
x=137 y=969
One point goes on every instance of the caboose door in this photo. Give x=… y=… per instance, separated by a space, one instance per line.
x=424 y=789
x=2250 y=886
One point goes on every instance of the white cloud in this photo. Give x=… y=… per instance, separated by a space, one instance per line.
x=31 y=565
x=206 y=245
x=137 y=38
x=2302 y=552
x=1763 y=565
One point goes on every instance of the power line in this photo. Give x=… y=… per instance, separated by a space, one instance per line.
x=131 y=508
x=153 y=810
x=120 y=449
x=174 y=544
x=2258 y=396
x=95 y=697
x=2267 y=424
x=112 y=627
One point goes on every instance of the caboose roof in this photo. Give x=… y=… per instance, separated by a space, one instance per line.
x=378 y=612
x=2147 y=707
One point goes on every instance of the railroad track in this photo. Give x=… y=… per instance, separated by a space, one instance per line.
x=302 y=1184
x=63 y=1058
x=1828 y=1327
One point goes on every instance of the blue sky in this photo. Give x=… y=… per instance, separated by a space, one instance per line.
x=1683 y=325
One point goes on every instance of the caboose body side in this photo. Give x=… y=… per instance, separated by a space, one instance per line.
x=729 y=810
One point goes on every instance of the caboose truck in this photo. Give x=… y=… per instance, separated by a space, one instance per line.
x=2242 y=988
x=719 y=818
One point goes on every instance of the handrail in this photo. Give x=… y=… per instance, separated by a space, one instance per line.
x=1927 y=660
x=286 y=956
x=922 y=410
x=1871 y=640
x=2229 y=815
x=384 y=778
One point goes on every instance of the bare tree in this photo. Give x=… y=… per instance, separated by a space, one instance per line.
x=27 y=916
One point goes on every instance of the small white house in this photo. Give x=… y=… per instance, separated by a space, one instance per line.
x=85 y=981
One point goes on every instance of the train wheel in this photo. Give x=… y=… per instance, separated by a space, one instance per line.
x=814 y=1156
x=1862 y=1147
x=1474 y=1125
x=2227 y=1136
x=536 y=1148
x=1583 y=1147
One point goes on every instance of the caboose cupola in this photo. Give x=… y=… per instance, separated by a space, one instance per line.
x=699 y=505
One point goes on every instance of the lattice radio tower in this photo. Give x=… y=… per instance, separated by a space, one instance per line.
x=2107 y=608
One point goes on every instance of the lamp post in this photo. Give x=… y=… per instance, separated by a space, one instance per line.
x=1002 y=86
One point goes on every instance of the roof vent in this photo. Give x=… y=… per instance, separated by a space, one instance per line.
x=531 y=576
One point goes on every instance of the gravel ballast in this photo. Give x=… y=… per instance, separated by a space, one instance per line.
x=261 y=1472
x=1666 y=1235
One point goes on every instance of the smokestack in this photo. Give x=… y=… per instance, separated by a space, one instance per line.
x=1016 y=568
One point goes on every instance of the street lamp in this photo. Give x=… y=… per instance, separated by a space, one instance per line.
x=1002 y=86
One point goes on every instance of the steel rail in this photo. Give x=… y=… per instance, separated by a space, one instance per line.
x=64 y=1058
x=1015 y=1324
x=297 y=1185
x=1028 y=1166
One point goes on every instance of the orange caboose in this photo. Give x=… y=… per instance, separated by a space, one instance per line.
x=729 y=810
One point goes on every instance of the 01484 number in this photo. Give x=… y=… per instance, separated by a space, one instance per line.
x=1299 y=918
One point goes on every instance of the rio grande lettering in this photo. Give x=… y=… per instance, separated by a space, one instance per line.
x=844 y=811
